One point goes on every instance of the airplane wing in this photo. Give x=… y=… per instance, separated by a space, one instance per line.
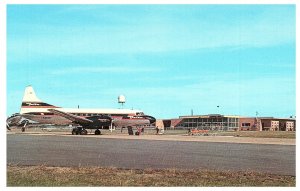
x=73 y=118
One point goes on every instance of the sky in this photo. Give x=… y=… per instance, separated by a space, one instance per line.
x=166 y=59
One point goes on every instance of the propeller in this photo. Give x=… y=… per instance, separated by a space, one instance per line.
x=7 y=126
x=12 y=120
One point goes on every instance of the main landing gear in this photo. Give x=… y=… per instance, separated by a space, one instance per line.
x=97 y=132
x=82 y=131
x=79 y=131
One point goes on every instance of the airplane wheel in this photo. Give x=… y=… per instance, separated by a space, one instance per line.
x=137 y=133
x=23 y=129
x=97 y=132
x=75 y=131
x=83 y=132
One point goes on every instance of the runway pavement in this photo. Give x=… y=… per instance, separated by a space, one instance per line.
x=25 y=149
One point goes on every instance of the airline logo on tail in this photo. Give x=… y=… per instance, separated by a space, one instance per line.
x=30 y=104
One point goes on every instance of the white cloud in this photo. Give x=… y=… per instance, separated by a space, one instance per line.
x=274 y=26
x=99 y=69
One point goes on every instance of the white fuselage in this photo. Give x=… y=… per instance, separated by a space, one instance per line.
x=83 y=112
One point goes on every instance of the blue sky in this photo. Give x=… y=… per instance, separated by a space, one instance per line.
x=166 y=59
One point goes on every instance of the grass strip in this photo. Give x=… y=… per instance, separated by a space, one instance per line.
x=98 y=176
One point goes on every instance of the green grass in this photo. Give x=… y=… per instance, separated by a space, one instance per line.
x=96 y=176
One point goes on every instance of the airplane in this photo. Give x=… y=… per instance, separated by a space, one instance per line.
x=96 y=122
x=34 y=109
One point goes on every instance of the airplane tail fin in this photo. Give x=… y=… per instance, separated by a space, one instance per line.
x=29 y=95
x=31 y=103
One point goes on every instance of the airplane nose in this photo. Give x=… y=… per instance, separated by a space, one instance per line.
x=150 y=118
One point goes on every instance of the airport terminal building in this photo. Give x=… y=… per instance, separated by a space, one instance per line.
x=217 y=122
x=213 y=122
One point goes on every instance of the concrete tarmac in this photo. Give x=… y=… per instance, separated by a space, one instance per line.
x=25 y=149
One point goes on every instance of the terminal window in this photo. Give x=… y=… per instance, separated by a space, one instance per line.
x=245 y=124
